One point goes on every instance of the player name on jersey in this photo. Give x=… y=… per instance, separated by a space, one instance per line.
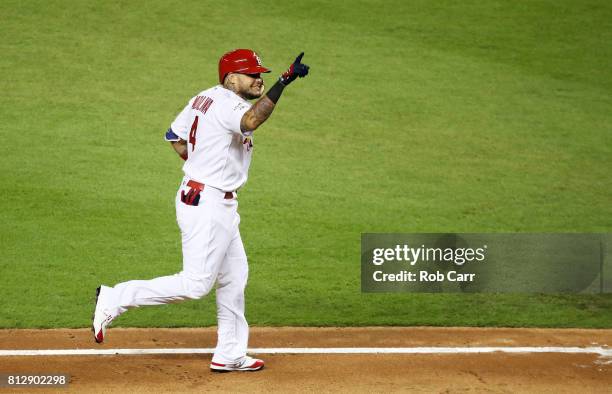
x=202 y=103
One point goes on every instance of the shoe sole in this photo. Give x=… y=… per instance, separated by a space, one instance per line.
x=94 y=315
x=237 y=370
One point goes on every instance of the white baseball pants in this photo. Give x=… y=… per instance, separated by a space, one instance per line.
x=212 y=252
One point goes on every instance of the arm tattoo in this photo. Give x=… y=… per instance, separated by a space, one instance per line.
x=257 y=114
x=263 y=109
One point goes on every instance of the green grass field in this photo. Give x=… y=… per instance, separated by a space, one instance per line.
x=417 y=117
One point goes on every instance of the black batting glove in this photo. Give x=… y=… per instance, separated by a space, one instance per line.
x=297 y=69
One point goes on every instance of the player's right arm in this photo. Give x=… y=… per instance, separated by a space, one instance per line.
x=262 y=109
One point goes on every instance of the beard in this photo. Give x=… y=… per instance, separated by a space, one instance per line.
x=251 y=96
x=252 y=93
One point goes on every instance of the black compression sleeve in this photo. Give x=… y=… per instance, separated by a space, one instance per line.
x=275 y=91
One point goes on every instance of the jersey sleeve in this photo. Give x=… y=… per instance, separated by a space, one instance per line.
x=170 y=136
x=181 y=124
x=230 y=114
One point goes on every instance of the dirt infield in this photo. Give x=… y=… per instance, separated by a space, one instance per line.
x=492 y=372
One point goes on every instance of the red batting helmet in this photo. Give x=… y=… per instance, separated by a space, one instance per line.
x=244 y=61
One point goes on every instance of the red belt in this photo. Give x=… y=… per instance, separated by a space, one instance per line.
x=200 y=186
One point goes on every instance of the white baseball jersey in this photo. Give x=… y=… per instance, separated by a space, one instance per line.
x=219 y=154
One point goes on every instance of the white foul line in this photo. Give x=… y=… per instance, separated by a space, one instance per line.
x=605 y=352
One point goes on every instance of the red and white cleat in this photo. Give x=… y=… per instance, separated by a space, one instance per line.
x=100 y=319
x=248 y=364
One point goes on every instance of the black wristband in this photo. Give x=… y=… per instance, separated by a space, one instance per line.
x=275 y=91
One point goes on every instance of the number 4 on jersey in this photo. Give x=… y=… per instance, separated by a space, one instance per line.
x=192 y=133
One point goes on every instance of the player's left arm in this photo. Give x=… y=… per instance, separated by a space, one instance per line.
x=179 y=144
x=180 y=147
x=262 y=109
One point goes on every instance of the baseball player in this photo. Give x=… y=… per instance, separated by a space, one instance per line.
x=214 y=135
